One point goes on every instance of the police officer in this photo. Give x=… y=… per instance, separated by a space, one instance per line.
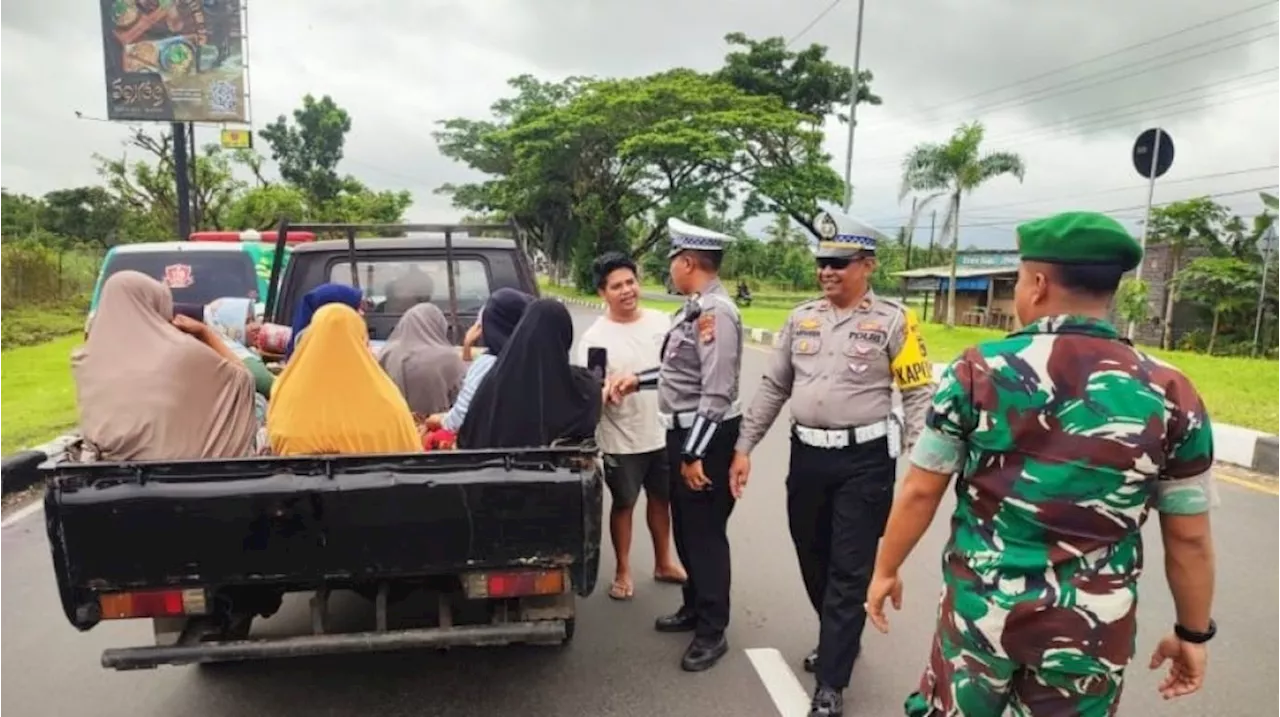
x=839 y=358
x=697 y=386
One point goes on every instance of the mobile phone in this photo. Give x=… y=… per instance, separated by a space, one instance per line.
x=597 y=361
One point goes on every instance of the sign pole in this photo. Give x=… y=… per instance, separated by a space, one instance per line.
x=1148 y=165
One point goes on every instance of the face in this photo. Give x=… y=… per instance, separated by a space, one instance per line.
x=1030 y=292
x=845 y=278
x=621 y=291
x=682 y=273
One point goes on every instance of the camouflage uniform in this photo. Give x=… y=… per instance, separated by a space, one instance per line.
x=1064 y=436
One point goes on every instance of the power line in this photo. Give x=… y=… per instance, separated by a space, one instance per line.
x=1113 y=53
x=813 y=22
x=1067 y=88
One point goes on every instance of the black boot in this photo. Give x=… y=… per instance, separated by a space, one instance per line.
x=703 y=653
x=827 y=702
x=682 y=620
x=811 y=661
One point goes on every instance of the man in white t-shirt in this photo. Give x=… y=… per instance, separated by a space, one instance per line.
x=630 y=435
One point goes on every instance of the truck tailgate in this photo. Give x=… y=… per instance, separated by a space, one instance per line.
x=303 y=521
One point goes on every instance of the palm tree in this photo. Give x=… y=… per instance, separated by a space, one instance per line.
x=956 y=167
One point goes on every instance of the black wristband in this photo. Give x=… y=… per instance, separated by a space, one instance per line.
x=1195 y=638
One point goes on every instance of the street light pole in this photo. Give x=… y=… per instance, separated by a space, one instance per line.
x=853 y=112
x=1268 y=244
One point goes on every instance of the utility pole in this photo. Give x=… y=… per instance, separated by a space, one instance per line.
x=933 y=222
x=1268 y=243
x=183 y=179
x=853 y=112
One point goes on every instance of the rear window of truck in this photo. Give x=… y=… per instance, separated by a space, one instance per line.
x=393 y=286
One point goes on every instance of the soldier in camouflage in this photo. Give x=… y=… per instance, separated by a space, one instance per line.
x=1063 y=436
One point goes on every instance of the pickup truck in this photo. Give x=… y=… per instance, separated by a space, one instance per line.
x=497 y=544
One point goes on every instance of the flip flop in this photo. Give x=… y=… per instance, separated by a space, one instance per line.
x=621 y=590
x=669 y=579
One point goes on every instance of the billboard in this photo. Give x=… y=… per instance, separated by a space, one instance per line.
x=174 y=60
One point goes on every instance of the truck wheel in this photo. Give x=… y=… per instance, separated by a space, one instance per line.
x=568 y=631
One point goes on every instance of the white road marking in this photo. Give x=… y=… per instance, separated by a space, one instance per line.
x=21 y=513
x=781 y=682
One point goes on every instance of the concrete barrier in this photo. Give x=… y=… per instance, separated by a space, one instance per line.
x=1243 y=447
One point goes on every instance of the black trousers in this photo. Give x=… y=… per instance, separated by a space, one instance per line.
x=699 y=520
x=838 y=502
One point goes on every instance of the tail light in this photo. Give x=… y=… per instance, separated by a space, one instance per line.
x=153 y=603
x=514 y=583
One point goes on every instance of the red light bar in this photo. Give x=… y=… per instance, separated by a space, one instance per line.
x=252 y=235
x=514 y=583
x=153 y=603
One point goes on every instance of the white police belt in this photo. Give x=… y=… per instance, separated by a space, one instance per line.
x=840 y=437
x=684 y=419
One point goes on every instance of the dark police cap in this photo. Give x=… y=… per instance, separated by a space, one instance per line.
x=1078 y=238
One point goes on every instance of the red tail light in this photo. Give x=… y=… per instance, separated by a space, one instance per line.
x=153 y=603
x=514 y=583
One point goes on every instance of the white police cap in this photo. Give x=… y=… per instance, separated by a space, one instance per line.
x=843 y=236
x=686 y=236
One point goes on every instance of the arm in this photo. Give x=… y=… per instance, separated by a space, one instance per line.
x=939 y=453
x=912 y=374
x=470 y=383
x=1185 y=495
x=719 y=338
x=775 y=389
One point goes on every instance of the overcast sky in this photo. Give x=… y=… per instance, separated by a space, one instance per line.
x=397 y=67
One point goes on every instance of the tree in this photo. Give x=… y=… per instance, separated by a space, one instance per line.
x=1180 y=226
x=1226 y=285
x=805 y=81
x=1131 y=300
x=956 y=167
x=88 y=214
x=309 y=150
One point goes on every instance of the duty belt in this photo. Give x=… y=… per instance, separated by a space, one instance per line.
x=841 y=437
x=684 y=419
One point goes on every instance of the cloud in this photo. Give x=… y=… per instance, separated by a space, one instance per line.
x=400 y=67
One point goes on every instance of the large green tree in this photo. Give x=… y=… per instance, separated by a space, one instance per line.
x=956 y=167
x=1181 y=226
x=309 y=149
x=1227 y=286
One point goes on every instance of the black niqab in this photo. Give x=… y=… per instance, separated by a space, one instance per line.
x=532 y=396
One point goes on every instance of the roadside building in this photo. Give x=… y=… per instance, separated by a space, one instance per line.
x=984 y=288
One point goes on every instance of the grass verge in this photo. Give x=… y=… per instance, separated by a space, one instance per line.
x=37 y=397
x=36 y=324
x=1238 y=391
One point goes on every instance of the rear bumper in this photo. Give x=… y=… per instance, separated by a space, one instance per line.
x=133 y=658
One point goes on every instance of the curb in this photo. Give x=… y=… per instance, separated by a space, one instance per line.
x=1239 y=446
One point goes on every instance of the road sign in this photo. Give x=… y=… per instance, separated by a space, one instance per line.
x=1149 y=144
x=237 y=139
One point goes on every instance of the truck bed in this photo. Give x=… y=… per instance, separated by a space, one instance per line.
x=307 y=523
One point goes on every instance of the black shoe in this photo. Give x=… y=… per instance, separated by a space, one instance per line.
x=703 y=653
x=811 y=661
x=681 y=621
x=827 y=702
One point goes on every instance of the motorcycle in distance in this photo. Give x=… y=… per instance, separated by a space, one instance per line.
x=743 y=297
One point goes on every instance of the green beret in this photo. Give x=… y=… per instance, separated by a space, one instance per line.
x=1078 y=238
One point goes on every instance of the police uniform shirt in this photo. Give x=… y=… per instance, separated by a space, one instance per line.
x=701 y=365
x=839 y=369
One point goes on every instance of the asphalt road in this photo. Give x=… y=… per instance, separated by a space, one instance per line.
x=617 y=664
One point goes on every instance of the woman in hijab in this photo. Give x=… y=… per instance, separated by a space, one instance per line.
x=154 y=387
x=333 y=398
x=533 y=396
x=498 y=319
x=423 y=363
x=320 y=296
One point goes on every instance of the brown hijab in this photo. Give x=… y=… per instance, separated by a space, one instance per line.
x=147 y=391
x=423 y=363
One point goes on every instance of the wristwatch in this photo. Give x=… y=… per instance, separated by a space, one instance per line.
x=1196 y=638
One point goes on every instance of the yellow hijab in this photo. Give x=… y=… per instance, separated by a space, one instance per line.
x=334 y=398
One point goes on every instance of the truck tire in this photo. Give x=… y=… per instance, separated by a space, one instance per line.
x=569 y=629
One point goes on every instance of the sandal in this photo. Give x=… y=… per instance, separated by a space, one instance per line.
x=622 y=590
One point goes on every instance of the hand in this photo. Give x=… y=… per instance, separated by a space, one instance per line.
x=435 y=422
x=620 y=386
x=1186 y=674
x=881 y=587
x=188 y=325
x=739 y=470
x=694 y=477
x=472 y=336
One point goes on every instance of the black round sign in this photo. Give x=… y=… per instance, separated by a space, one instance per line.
x=1144 y=153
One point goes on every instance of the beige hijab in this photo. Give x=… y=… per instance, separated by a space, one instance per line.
x=424 y=365
x=147 y=391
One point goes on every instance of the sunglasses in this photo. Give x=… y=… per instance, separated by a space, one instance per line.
x=834 y=263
